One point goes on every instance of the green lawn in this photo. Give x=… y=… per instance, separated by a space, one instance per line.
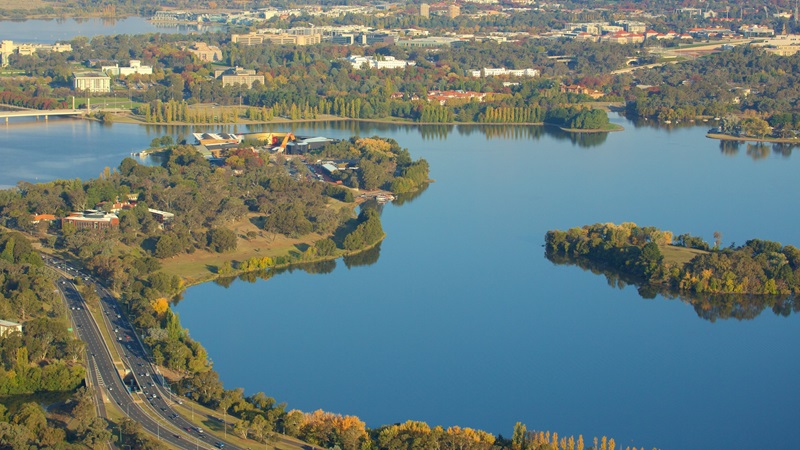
x=679 y=255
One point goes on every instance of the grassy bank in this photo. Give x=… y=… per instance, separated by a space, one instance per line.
x=729 y=137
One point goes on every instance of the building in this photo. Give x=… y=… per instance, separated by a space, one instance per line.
x=784 y=45
x=756 y=31
x=7 y=48
x=427 y=42
x=37 y=218
x=162 y=217
x=425 y=10
x=134 y=67
x=91 y=219
x=491 y=72
x=7 y=327
x=632 y=26
x=442 y=97
x=293 y=39
x=237 y=75
x=453 y=11
x=278 y=39
x=581 y=90
x=205 y=52
x=385 y=62
x=92 y=81
x=301 y=146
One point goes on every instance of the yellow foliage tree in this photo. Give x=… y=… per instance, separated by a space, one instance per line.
x=160 y=306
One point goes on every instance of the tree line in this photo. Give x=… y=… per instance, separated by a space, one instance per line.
x=758 y=267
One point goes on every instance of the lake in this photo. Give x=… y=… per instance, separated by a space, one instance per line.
x=460 y=319
x=49 y=31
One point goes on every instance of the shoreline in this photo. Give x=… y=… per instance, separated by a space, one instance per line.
x=130 y=120
x=730 y=137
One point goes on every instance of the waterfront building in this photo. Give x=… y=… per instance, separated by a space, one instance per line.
x=92 y=81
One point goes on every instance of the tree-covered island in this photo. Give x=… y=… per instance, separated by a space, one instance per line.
x=736 y=281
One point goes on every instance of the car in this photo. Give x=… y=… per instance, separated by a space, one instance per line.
x=219 y=444
x=177 y=436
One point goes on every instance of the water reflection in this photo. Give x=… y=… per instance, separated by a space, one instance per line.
x=427 y=132
x=729 y=148
x=365 y=258
x=707 y=306
x=408 y=197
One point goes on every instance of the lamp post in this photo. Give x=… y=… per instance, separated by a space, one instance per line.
x=225 y=423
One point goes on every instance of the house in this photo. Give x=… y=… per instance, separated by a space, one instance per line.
x=7 y=327
x=43 y=218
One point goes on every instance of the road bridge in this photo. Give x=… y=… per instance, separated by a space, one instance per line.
x=42 y=113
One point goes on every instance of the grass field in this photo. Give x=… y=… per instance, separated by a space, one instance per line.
x=202 y=265
x=679 y=255
x=22 y=4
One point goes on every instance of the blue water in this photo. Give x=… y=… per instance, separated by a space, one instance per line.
x=49 y=31
x=463 y=321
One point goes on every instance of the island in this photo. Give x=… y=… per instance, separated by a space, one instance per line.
x=745 y=279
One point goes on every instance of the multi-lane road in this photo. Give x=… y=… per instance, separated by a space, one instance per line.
x=149 y=403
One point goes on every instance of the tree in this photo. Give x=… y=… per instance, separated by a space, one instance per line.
x=325 y=247
x=754 y=126
x=97 y=434
x=222 y=240
x=519 y=436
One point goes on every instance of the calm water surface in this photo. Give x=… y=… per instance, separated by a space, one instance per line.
x=462 y=321
x=56 y=30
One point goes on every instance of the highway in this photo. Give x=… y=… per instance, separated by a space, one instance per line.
x=145 y=404
x=152 y=399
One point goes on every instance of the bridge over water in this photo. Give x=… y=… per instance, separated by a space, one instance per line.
x=41 y=113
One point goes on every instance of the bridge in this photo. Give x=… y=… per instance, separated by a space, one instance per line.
x=41 y=113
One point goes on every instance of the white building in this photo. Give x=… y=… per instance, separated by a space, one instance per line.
x=7 y=327
x=135 y=67
x=492 y=72
x=385 y=62
x=91 y=81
